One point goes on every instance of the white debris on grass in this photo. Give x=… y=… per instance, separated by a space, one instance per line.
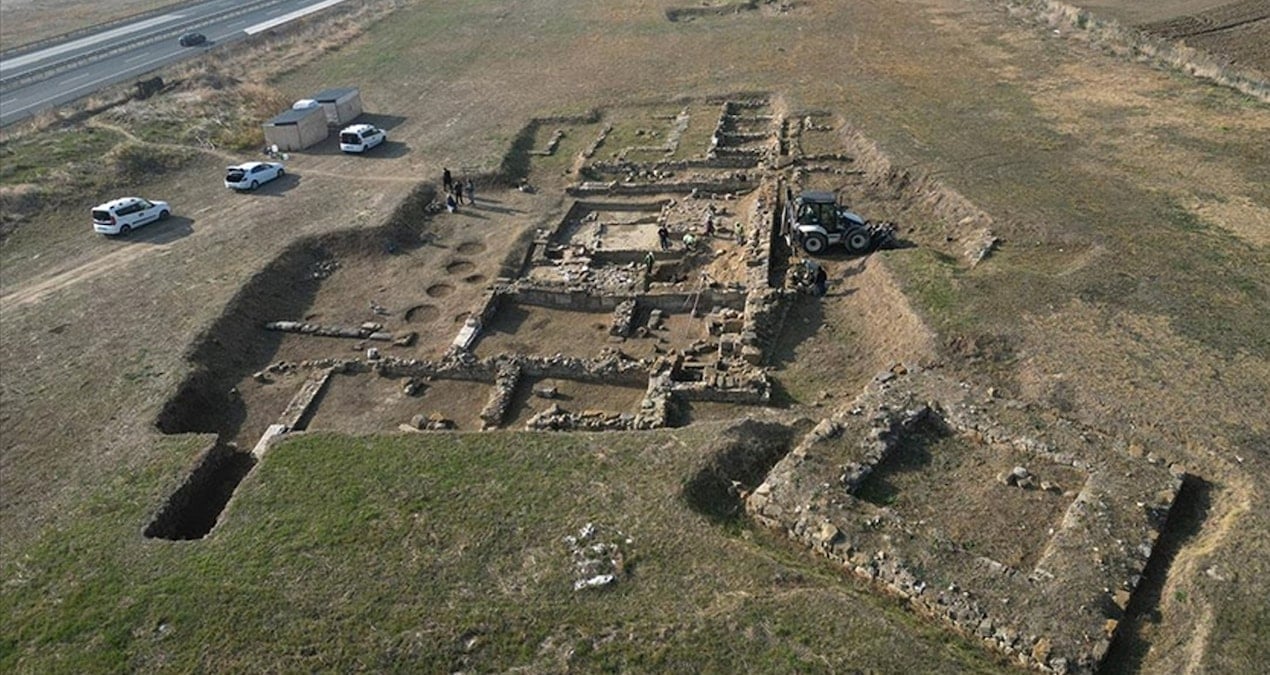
x=598 y=554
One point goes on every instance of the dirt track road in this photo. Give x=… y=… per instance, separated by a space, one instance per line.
x=78 y=271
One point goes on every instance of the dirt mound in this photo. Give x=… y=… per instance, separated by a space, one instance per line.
x=471 y=248
x=460 y=267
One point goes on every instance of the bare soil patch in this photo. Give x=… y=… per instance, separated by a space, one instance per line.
x=864 y=325
x=951 y=487
x=369 y=404
x=344 y=280
x=1235 y=30
x=439 y=290
x=696 y=412
x=526 y=329
x=422 y=314
x=572 y=396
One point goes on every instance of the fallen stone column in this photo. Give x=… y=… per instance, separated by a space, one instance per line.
x=365 y=332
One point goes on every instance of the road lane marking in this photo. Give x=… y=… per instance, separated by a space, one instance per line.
x=272 y=23
x=127 y=72
x=34 y=57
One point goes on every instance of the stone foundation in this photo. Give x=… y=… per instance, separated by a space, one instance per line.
x=1059 y=616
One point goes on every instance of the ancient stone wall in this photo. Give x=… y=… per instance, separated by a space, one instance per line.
x=632 y=189
x=505 y=383
x=765 y=312
x=1061 y=615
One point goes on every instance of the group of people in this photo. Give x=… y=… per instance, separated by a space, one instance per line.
x=663 y=239
x=690 y=239
x=455 y=190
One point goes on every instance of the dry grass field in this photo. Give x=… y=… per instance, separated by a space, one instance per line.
x=1129 y=292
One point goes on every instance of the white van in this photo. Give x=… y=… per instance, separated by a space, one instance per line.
x=361 y=137
x=121 y=216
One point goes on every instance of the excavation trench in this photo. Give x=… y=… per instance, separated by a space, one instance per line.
x=235 y=346
x=193 y=509
x=736 y=462
x=1185 y=521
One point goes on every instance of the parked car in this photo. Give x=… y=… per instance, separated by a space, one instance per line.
x=251 y=175
x=192 y=39
x=121 y=216
x=361 y=137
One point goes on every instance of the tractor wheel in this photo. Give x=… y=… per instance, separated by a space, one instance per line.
x=859 y=241
x=815 y=243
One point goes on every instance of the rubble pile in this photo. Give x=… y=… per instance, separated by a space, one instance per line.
x=598 y=555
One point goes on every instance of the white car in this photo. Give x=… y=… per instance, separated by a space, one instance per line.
x=121 y=216
x=361 y=137
x=252 y=175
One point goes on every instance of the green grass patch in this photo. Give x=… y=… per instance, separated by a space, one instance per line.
x=695 y=140
x=444 y=552
x=932 y=280
x=577 y=137
x=34 y=157
x=647 y=156
x=638 y=127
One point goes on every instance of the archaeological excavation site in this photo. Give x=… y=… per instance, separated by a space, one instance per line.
x=635 y=269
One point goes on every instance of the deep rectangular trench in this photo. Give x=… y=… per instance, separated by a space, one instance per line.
x=193 y=509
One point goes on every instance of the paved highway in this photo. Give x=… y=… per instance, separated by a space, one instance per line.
x=53 y=73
